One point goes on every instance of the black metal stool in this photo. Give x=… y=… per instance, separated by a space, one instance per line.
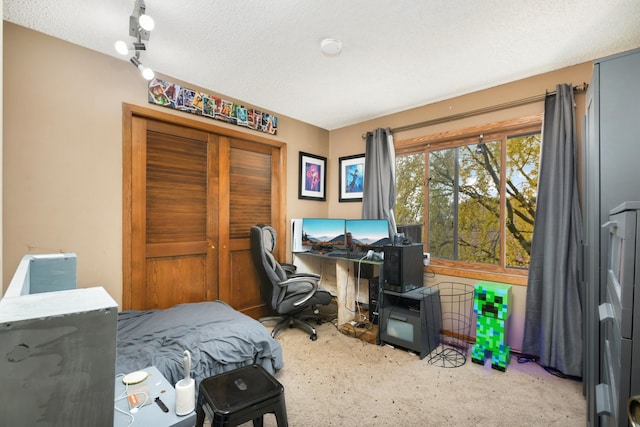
x=240 y=395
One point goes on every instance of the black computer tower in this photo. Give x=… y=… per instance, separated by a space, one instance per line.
x=374 y=299
x=402 y=267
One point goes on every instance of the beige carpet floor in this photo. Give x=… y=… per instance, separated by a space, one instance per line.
x=341 y=381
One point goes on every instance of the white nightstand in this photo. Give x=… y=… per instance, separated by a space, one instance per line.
x=151 y=414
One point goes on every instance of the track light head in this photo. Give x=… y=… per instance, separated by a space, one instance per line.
x=122 y=48
x=136 y=62
x=146 y=22
x=140 y=24
x=147 y=73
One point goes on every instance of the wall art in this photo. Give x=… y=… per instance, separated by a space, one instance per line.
x=351 y=178
x=313 y=177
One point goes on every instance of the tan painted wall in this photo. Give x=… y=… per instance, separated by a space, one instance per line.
x=62 y=150
x=348 y=140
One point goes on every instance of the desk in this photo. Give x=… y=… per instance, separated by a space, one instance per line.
x=151 y=414
x=334 y=271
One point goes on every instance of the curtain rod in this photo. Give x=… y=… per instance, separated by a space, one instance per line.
x=580 y=88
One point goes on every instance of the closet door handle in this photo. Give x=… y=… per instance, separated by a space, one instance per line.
x=605 y=311
x=603 y=399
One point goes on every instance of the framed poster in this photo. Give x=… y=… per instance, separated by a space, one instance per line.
x=312 y=180
x=351 y=178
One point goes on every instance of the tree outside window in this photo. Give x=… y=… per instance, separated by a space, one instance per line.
x=480 y=195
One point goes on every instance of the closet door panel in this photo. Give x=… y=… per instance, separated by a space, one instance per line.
x=172 y=224
x=251 y=196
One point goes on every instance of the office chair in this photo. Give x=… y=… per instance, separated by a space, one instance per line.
x=290 y=294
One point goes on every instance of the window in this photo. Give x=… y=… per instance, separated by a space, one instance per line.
x=480 y=196
x=409 y=210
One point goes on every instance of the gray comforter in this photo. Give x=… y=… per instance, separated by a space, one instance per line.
x=218 y=337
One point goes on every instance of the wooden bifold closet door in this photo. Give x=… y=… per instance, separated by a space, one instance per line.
x=191 y=194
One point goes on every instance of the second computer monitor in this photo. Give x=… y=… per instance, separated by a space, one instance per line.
x=367 y=234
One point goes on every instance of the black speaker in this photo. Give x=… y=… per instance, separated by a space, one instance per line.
x=374 y=300
x=402 y=267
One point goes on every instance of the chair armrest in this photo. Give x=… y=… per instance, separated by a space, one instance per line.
x=290 y=269
x=305 y=275
x=311 y=278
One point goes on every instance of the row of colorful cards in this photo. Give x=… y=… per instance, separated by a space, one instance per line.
x=178 y=97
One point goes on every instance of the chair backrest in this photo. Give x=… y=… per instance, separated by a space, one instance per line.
x=263 y=243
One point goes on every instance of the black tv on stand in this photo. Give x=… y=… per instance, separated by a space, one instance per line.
x=411 y=320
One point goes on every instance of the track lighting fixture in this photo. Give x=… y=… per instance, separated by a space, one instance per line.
x=140 y=25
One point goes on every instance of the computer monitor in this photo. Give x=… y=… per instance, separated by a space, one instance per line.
x=323 y=233
x=367 y=234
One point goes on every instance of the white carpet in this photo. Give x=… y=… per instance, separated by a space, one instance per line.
x=342 y=381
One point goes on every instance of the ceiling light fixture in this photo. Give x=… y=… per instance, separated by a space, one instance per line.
x=331 y=47
x=140 y=25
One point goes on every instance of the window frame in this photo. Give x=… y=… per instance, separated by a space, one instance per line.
x=456 y=138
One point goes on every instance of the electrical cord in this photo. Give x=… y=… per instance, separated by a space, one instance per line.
x=363 y=318
x=357 y=309
x=552 y=371
x=363 y=325
x=129 y=414
x=355 y=329
x=346 y=306
x=430 y=272
x=133 y=410
x=123 y=395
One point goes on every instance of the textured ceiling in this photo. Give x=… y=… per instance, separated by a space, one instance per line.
x=396 y=54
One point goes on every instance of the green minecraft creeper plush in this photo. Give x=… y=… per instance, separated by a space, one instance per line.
x=492 y=305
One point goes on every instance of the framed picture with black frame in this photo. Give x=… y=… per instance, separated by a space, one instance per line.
x=312 y=181
x=351 y=178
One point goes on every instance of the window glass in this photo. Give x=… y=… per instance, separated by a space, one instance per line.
x=464 y=203
x=522 y=168
x=480 y=201
x=409 y=210
x=442 y=230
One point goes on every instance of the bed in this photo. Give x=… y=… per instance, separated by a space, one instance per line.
x=58 y=342
x=219 y=338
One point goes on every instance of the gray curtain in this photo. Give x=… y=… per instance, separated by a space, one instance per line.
x=379 y=190
x=553 y=317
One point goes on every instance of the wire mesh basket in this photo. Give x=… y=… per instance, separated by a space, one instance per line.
x=456 y=307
